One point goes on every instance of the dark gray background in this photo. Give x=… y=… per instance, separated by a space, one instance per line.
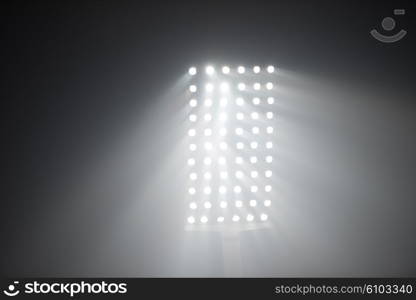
x=94 y=121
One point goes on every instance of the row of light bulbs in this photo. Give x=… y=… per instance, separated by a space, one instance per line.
x=221 y=219
x=210 y=70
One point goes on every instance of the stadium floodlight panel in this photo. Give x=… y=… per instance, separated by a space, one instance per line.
x=230 y=146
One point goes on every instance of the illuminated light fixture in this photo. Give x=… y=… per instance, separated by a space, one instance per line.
x=270 y=100
x=207 y=161
x=220 y=219
x=192 y=118
x=269 y=85
x=222 y=117
x=241 y=70
x=207 y=117
x=237 y=189
x=223 y=204
x=255 y=130
x=208 y=146
x=256 y=100
x=193 y=205
x=253 y=159
x=209 y=87
x=239 y=146
x=269 y=159
x=204 y=219
x=254 y=115
x=256 y=86
x=222 y=190
x=239 y=101
x=239 y=116
x=267 y=203
x=254 y=174
x=191 y=132
x=223 y=102
x=250 y=218
x=222 y=160
x=191 y=220
x=209 y=70
x=192 y=147
x=239 y=174
x=270 y=69
x=254 y=145
x=191 y=162
x=207 y=205
x=192 y=191
x=269 y=129
x=192 y=71
x=207 y=190
x=241 y=86
x=192 y=88
x=253 y=203
x=239 y=131
x=269 y=115
x=239 y=203
x=256 y=69
x=254 y=188
x=193 y=103
x=268 y=173
x=225 y=69
x=193 y=176
x=239 y=160
x=268 y=188
x=223 y=146
x=208 y=102
x=223 y=132
x=207 y=176
x=269 y=145
x=236 y=218
x=207 y=131
x=263 y=217
x=223 y=174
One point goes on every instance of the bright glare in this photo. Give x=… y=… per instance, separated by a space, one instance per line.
x=191 y=220
x=207 y=117
x=255 y=130
x=193 y=176
x=192 y=71
x=269 y=115
x=238 y=203
x=191 y=132
x=250 y=218
x=193 y=205
x=239 y=174
x=207 y=205
x=268 y=173
x=236 y=218
x=256 y=101
x=269 y=159
x=224 y=87
x=209 y=70
x=254 y=115
x=256 y=69
x=192 y=147
x=270 y=100
x=269 y=85
x=268 y=188
x=223 y=101
x=241 y=70
x=270 y=69
x=223 y=204
x=193 y=102
x=263 y=217
x=256 y=86
x=241 y=86
x=239 y=101
x=191 y=161
x=204 y=219
x=237 y=189
x=209 y=87
x=269 y=129
x=220 y=219
x=253 y=203
x=192 y=118
x=239 y=145
x=207 y=176
x=207 y=190
x=192 y=191
x=239 y=131
x=267 y=203
x=192 y=88
x=225 y=69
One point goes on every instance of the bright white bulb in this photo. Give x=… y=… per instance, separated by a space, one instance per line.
x=191 y=220
x=207 y=190
x=254 y=115
x=270 y=100
x=238 y=203
x=207 y=117
x=191 y=132
x=193 y=103
x=253 y=203
x=208 y=102
x=239 y=116
x=267 y=203
x=192 y=147
x=269 y=159
x=209 y=87
x=239 y=101
x=269 y=115
x=268 y=173
x=254 y=188
x=255 y=130
x=191 y=191
x=268 y=188
x=237 y=189
x=269 y=129
x=224 y=87
x=207 y=161
x=239 y=160
x=239 y=174
x=223 y=132
x=256 y=69
x=192 y=71
x=269 y=85
x=241 y=70
x=208 y=132
x=209 y=70
x=222 y=160
x=256 y=86
x=254 y=174
x=250 y=218
x=269 y=145
x=207 y=175
x=253 y=159
x=270 y=69
x=192 y=88
x=192 y=118
x=191 y=161
x=256 y=101
x=239 y=146
x=239 y=131
x=241 y=86
x=254 y=145
x=225 y=69
x=208 y=146
x=223 y=102
x=220 y=219
x=223 y=204
x=236 y=218
x=193 y=205
x=204 y=219
x=263 y=217
x=207 y=205
x=222 y=190
x=193 y=176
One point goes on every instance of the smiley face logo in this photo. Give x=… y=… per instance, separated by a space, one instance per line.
x=11 y=289
x=389 y=24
